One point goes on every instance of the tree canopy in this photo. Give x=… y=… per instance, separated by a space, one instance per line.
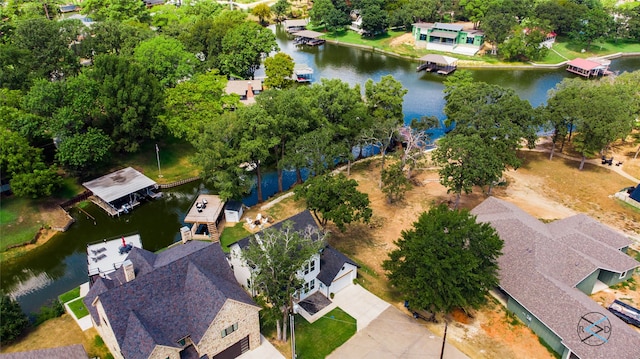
x=277 y=257
x=335 y=198
x=446 y=260
x=13 y=322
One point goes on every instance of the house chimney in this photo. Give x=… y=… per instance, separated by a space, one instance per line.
x=185 y=234
x=129 y=272
x=250 y=90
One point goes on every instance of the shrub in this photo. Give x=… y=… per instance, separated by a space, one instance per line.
x=13 y=321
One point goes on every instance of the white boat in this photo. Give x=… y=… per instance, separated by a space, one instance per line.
x=302 y=73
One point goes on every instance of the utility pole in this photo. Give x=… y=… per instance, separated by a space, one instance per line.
x=158 y=157
x=444 y=339
x=293 y=335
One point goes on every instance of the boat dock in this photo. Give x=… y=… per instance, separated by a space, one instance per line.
x=308 y=37
x=440 y=64
x=302 y=73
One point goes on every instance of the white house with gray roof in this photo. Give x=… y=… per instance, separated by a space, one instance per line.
x=547 y=272
x=326 y=272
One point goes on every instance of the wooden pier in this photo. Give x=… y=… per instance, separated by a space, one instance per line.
x=443 y=65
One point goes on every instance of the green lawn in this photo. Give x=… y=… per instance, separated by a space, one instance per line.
x=573 y=50
x=19 y=221
x=231 y=235
x=175 y=160
x=78 y=308
x=70 y=295
x=319 y=339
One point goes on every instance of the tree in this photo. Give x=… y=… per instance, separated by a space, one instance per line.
x=441 y=242
x=13 y=322
x=374 y=18
x=48 y=42
x=280 y=8
x=394 y=182
x=524 y=43
x=15 y=71
x=563 y=16
x=192 y=104
x=257 y=139
x=595 y=26
x=335 y=198
x=262 y=11
x=321 y=11
x=130 y=100
x=242 y=49
x=415 y=139
x=166 y=59
x=40 y=182
x=476 y=10
x=83 y=151
x=497 y=26
x=466 y=161
x=279 y=69
x=277 y=257
x=315 y=150
x=115 y=10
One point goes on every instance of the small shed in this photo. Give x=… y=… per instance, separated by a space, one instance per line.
x=635 y=194
x=233 y=211
x=205 y=215
x=120 y=191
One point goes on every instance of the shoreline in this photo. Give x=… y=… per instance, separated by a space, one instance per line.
x=467 y=64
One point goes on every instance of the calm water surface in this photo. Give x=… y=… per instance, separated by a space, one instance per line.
x=60 y=264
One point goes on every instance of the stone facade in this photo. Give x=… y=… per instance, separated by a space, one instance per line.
x=105 y=331
x=248 y=323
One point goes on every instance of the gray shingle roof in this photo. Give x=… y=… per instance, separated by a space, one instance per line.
x=541 y=265
x=300 y=222
x=69 y=352
x=175 y=294
x=450 y=27
x=331 y=262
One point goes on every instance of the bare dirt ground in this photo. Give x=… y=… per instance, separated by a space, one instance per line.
x=405 y=39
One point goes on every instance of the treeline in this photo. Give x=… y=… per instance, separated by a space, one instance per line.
x=515 y=28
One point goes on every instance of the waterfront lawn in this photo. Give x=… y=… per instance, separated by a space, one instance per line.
x=70 y=295
x=573 y=50
x=175 y=160
x=78 y=308
x=19 y=221
x=231 y=235
x=320 y=338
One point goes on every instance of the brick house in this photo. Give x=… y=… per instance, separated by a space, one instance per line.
x=180 y=303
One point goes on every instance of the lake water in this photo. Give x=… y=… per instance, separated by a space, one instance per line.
x=60 y=264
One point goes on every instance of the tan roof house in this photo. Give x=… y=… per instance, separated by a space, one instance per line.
x=547 y=271
x=181 y=303
x=246 y=89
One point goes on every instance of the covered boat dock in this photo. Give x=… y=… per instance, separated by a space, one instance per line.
x=120 y=191
x=308 y=37
x=302 y=73
x=205 y=215
x=295 y=25
x=440 y=64
x=589 y=67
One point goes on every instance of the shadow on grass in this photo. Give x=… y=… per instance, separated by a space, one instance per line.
x=320 y=338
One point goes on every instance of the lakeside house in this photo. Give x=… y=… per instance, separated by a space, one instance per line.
x=183 y=302
x=326 y=272
x=452 y=38
x=246 y=89
x=547 y=271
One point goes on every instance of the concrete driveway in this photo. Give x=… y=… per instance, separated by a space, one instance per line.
x=384 y=331
x=394 y=334
x=264 y=351
x=360 y=304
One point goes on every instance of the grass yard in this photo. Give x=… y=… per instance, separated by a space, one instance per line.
x=57 y=332
x=70 y=295
x=319 y=339
x=78 y=308
x=19 y=221
x=573 y=50
x=175 y=161
x=231 y=235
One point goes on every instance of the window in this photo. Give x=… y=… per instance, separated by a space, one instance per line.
x=183 y=341
x=423 y=37
x=230 y=330
x=310 y=267
x=309 y=286
x=623 y=274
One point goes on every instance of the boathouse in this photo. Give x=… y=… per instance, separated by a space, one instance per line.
x=295 y=25
x=204 y=216
x=589 y=67
x=302 y=73
x=308 y=37
x=120 y=191
x=440 y=64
